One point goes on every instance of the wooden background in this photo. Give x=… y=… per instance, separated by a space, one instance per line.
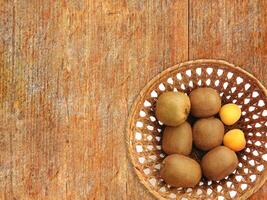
x=71 y=69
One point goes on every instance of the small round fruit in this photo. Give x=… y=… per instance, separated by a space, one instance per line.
x=205 y=102
x=219 y=163
x=180 y=171
x=177 y=139
x=230 y=113
x=235 y=140
x=208 y=133
x=172 y=108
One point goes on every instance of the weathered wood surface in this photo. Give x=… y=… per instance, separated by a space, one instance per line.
x=70 y=71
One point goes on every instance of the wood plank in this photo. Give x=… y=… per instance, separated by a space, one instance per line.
x=235 y=31
x=230 y=30
x=6 y=60
x=70 y=71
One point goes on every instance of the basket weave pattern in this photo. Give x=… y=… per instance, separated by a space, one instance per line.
x=235 y=86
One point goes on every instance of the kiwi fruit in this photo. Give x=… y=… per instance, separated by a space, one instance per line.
x=205 y=102
x=180 y=171
x=172 y=108
x=219 y=163
x=208 y=133
x=177 y=139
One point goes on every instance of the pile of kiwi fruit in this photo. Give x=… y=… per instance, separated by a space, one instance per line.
x=174 y=110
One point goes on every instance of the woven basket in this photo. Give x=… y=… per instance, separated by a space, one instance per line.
x=234 y=85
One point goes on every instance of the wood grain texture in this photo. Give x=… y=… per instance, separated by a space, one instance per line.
x=70 y=71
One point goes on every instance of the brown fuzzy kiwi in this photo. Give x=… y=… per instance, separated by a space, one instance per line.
x=177 y=139
x=205 y=102
x=180 y=171
x=172 y=108
x=219 y=163
x=208 y=133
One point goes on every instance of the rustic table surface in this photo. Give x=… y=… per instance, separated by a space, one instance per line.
x=71 y=69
